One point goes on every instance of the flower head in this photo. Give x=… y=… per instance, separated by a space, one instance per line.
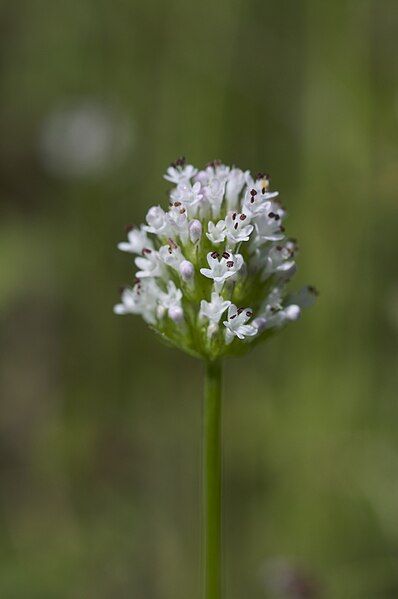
x=218 y=249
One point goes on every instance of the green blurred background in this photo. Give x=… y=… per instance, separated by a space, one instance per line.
x=99 y=423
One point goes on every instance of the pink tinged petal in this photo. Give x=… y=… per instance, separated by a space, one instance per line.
x=176 y=314
x=292 y=312
x=207 y=272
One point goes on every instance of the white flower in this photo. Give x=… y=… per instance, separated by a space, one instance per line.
x=188 y=195
x=216 y=233
x=215 y=169
x=141 y=299
x=179 y=221
x=137 y=241
x=171 y=301
x=171 y=255
x=226 y=225
x=289 y=313
x=179 y=171
x=235 y=182
x=214 y=309
x=214 y=193
x=274 y=314
x=158 y=222
x=280 y=258
x=268 y=228
x=305 y=298
x=256 y=203
x=236 y=324
x=238 y=227
x=222 y=268
x=149 y=264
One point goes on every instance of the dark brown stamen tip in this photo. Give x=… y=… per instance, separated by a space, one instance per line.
x=179 y=162
x=215 y=255
x=249 y=314
x=271 y=214
x=279 y=248
x=129 y=228
x=253 y=192
x=230 y=263
x=240 y=310
x=121 y=289
x=243 y=217
x=313 y=290
x=225 y=255
x=146 y=251
x=235 y=226
x=233 y=316
x=234 y=216
x=172 y=243
x=263 y=190
x=176 y=204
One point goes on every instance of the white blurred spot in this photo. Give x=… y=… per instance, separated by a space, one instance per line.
x=83 y=139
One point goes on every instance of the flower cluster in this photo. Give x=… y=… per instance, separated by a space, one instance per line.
x=213 y=268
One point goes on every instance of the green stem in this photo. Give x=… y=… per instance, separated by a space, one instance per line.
x=211 y=524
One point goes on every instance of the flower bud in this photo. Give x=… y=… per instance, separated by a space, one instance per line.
x=187 y=270
x=260 y=323
x=176 y=314
x=195 y=230
x=292 y=312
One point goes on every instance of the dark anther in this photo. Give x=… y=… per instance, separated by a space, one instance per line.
x=276 y=217
x=121 y=289
x=235 y=226
x=129 y=228
x=176 y=204
x=252 y=200
x=230 y=264
x=263 y=190
x=215 y=255
x=233 y=316
x=263 y=176
x=240 y=310
x=279 y=248
x=146 y=251
x=181 y=161
x=271 y=214
x=172 y=244
x=242 y=217
x=253 y=192
x=214 y=163
x=249 y=314
x=313 y=290
x=182 y=211
x=234 y=216
x=225 y=255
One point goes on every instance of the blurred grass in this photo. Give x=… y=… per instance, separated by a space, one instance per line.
x=100 y=424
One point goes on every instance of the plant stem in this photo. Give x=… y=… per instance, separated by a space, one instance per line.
x=211 y=523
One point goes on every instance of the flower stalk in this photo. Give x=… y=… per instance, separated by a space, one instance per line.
x=212 y=478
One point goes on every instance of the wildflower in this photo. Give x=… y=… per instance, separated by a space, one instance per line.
x=221 y=244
